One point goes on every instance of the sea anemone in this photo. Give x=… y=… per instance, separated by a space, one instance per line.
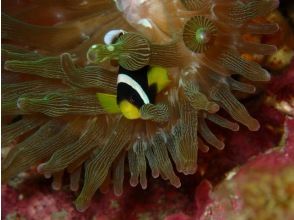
x=55 y=122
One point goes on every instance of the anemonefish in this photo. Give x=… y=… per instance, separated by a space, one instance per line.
x=134 y=89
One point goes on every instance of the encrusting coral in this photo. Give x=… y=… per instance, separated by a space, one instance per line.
x=52 y=82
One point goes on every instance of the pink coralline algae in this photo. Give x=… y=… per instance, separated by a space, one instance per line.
x=261 y=189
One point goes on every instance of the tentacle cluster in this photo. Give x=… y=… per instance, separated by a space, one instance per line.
x=63 y=128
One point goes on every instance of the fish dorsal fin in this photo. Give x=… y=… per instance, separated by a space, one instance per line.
x=108 y=102
x=158 y=76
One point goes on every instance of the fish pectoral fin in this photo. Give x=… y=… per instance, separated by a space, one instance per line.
x=108 y=102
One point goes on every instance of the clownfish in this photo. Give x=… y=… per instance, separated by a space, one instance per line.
x=134 y=89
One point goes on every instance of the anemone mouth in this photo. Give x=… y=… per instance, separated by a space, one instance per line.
x=199 y=33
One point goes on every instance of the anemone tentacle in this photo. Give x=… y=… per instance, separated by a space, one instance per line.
x=56 y=123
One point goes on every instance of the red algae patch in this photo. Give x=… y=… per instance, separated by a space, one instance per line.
x=261 y=189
